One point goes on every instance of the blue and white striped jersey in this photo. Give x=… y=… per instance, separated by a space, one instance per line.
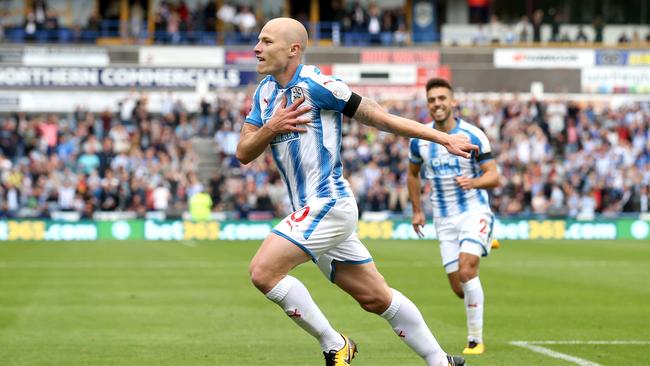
x=442 y=168
x=309 y=162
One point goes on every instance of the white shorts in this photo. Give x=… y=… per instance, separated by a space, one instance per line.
x=468 y=232
x=325 y=229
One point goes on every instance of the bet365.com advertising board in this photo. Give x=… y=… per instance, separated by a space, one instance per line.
x=150 y=230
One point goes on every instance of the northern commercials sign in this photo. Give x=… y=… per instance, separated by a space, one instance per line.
x=123 y=77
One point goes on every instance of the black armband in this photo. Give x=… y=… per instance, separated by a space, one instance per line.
x=484 y=156
x=352 y=105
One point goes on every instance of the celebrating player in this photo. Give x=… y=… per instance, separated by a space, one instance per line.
x=462 y=215
x=298 y=112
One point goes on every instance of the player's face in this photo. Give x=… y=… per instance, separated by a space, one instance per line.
x=272 y=52
x=441 y=104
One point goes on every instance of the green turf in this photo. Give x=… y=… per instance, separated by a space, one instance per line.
x=191 y=304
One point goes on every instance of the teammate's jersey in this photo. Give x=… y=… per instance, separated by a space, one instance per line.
x=309 y=162
x=442 y=168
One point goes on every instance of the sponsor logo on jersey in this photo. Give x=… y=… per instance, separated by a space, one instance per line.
x=285 y=137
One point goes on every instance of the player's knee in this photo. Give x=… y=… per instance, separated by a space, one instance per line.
x=374 y=303
x=467 y=273
x=260 y=277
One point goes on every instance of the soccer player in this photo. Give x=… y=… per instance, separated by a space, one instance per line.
x=461 y=212
x=298 y=112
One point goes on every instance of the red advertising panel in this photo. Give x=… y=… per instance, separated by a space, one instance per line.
x=417 y=57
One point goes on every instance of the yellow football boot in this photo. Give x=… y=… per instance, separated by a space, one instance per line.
x=343 y=356
x=496 y=244
x=474 y=348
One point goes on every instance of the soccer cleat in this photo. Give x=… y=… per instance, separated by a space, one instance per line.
x=343 y=356
x=474 y=348
x=496 y=244
x=455 y=361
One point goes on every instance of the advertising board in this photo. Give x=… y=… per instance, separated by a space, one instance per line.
x=152 y=230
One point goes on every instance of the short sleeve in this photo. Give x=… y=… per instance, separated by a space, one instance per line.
x=484 y=148
x=329 y=93
x=414 y=152
x=254 y=117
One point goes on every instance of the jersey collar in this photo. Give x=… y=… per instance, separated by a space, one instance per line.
x=294 y=79
x=453 y=130
x=457 y=127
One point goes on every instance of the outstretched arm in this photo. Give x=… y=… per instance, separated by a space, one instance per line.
x=372 y=114
x=253 y=140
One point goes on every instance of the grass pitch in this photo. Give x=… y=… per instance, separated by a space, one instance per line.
x=191 y=304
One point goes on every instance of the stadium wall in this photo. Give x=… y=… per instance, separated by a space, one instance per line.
x=57 y=78
x=152 y=230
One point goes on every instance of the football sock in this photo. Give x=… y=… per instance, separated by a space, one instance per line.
x=293 y=297
x=474 y=307
x=408 y=324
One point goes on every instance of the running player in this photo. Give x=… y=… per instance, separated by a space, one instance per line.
x=298 y=112
x=461 y=212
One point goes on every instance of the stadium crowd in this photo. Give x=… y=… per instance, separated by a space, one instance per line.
x=347 y=23
x=558 y=158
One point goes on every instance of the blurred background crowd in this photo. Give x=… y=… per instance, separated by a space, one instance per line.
x=345 y=22
x=557 y=157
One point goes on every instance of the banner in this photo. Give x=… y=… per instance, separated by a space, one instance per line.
x=186 y=56
x=240 y=57
x=152 y=230
x=430 y=58
x=543 y=58
x=47 y=230
x=616 y=57
x=630 y=80
x=123 y=77
x=425 y=24
x=65 y=56
x=376 y=74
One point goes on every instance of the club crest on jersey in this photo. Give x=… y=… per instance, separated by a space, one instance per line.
x=296 y=93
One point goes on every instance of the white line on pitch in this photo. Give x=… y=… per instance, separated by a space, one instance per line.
x=548 y=352
x=535 y=347
x=189 y=243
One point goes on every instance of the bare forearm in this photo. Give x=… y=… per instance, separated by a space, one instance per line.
x=253 y=144
x=488 y=180
x=413 y=185
x=372 y=114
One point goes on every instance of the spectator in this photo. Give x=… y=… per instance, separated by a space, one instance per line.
x=495 y=30
x=374 y=24
x=556 y=20
x=598 y=29
x=200 y=206
x=481 y=37
x=161 y=197
x=581 y=37
x=523 y=30
x=623 y=38
x=226 y=14
x=246 y=24
x=538 y=17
